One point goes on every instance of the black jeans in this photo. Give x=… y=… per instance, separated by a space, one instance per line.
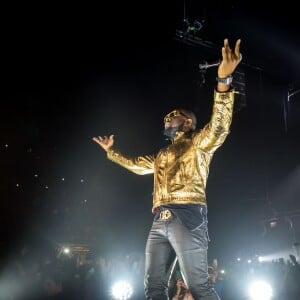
x=190 y=247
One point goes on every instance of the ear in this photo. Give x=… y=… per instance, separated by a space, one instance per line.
x=187 y=124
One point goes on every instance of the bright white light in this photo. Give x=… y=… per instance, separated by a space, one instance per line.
x=66 y=250
x=260 y=290
x=260 y=259
x=122 y=290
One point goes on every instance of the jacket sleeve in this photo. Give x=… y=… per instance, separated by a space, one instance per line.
x=140 y=165
x=213 y=135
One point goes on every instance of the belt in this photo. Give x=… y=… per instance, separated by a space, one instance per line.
x=165 y=215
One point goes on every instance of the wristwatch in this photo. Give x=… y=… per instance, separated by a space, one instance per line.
x=226 y=80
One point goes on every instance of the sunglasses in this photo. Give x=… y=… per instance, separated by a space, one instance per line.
x=173 y=114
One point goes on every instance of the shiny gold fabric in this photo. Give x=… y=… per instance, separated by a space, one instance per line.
x=181 y=169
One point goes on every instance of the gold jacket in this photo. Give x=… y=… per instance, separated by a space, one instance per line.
x=181 y=169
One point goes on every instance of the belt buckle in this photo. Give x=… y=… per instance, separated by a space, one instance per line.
x=165 y=215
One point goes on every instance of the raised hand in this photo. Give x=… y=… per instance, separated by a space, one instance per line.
x=106 y=142
x=230 y=59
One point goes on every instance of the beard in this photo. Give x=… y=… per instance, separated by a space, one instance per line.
x=170 y=132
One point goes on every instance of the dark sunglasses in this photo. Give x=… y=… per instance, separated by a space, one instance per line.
x=173 y=114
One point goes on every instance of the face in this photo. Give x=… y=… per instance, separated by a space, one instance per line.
x=174 y=119
x=174 y=122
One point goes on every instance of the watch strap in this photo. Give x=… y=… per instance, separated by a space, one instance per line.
x=226 y=80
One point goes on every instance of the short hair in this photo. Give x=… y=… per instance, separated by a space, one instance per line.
x=189 y=114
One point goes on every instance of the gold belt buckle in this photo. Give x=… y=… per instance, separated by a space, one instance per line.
x=165 y=215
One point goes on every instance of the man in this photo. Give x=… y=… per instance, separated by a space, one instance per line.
x=180 y=175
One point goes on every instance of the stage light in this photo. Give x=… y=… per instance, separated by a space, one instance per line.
x=66 y=250
x=122 y=290
x=260 y=290
x=273 y=222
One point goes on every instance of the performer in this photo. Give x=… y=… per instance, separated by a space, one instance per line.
x=179 y=198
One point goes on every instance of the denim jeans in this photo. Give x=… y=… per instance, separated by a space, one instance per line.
x=190 y=246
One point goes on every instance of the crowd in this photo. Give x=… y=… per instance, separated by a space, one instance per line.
x=36 y=275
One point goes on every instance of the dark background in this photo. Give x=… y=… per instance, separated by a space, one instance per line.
x=70 y=72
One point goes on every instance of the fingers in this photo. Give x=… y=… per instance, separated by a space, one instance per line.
x=103 y=139
x=98 y=139
x=237 y=49
x=226 y=44
x=227 y=52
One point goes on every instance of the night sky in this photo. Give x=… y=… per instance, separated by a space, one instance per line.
x=70 y=73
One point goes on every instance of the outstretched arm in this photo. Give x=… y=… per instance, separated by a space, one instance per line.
x=230 y=60
x=140 y=165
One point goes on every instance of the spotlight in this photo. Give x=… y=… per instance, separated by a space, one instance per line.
x=260 y=259
x=273 y=222
x=121 y=290
x=66 y=250
x=260 y=290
